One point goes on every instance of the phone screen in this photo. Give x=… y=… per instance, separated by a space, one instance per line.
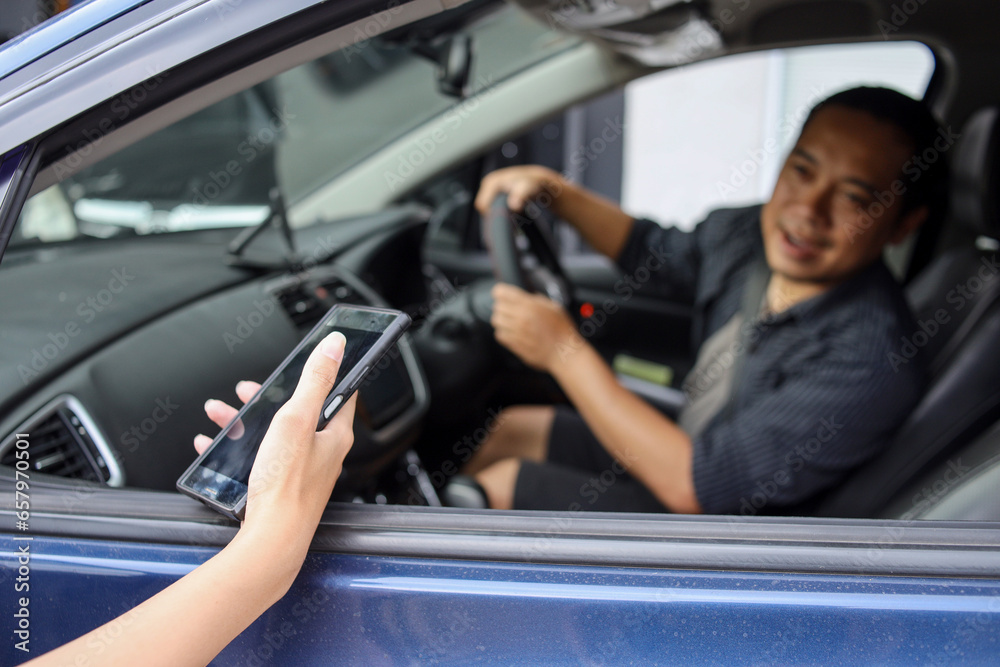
x=224 y=471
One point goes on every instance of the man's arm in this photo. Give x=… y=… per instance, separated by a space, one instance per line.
x=649 y=445
x=601 y=223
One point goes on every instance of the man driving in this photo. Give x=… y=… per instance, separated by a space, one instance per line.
x=796 y=318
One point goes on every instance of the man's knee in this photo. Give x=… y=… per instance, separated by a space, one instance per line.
x=519 y=431
x=499 y=480
x=521 y=418
x=526 y=427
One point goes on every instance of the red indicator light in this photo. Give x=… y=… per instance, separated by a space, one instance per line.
x=586 y=309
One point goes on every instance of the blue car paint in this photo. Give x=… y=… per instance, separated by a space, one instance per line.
x=376 y=610
x=8 y=167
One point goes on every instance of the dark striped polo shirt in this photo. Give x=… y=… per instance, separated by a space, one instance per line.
x=817 y=394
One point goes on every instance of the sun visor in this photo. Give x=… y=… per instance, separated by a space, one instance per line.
x=656 y=33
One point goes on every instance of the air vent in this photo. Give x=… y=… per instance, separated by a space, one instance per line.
x=303 y=307
x=64 y=441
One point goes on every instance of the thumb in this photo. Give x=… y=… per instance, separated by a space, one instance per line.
x=319 y=374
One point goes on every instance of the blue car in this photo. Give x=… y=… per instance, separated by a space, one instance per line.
x=187 y=186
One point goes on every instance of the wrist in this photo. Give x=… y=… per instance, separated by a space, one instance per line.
x=283 y=560
x=282 y=541
x=558 y=191
x=568 y=347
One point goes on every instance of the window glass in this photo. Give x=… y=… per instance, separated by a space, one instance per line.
x=715 y=134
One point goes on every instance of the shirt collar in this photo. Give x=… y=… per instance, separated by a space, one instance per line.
x=807 y=311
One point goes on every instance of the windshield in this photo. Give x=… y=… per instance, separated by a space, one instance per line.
x=222 y=166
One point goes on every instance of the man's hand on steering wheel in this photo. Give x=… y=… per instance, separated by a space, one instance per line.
x=521 y=184
x=535 y=328
x=505 y=231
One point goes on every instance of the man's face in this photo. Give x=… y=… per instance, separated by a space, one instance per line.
x=820 y=226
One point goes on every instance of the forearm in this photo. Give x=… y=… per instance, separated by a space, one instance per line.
x=600 y=221
x=649 y=445
x=193 y=619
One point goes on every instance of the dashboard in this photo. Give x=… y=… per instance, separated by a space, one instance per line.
x=117 y=345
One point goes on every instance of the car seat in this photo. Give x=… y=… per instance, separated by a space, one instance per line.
x=956 y=301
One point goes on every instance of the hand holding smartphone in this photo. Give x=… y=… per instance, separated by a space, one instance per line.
x=219 y=477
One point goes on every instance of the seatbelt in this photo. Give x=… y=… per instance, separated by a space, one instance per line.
x=750 y=307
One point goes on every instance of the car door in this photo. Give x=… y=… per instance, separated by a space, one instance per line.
x=401 y=585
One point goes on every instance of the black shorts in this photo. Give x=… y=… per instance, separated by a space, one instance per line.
x=579 y=475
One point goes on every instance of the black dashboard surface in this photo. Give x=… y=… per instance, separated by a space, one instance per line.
x=142 y=331
x=60 y=302
x=69 y=301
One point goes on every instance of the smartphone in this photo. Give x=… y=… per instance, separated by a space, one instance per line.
x=219 y=477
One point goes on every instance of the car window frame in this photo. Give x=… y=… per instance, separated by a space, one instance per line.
x=17 y=169
x=791 y=545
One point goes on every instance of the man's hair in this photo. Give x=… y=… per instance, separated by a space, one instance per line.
x=926 y=182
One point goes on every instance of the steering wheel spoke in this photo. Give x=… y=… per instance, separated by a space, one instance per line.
x=508 y=257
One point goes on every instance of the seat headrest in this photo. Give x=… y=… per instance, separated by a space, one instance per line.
x=976 y=174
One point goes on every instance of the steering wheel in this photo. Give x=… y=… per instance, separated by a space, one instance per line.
x=502 y=229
